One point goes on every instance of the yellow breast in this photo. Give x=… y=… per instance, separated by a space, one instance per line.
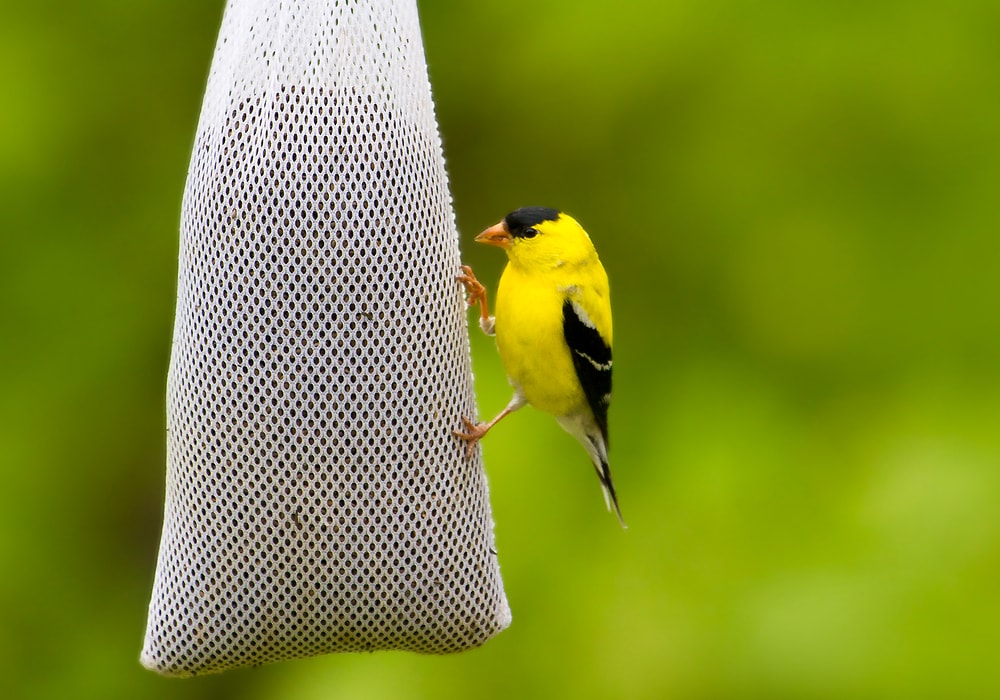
x=529 y=332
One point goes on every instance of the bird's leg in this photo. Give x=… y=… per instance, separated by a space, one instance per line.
x=478 y=430
x=476 y=294
x=475 y=291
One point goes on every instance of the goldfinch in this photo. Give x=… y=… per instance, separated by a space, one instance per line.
x=552 y=327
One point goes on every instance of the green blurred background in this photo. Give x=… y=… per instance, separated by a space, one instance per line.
x=797 y=206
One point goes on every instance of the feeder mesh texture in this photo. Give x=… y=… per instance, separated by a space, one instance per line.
x=316 y=500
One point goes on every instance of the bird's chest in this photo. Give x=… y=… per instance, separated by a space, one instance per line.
x=532 y=344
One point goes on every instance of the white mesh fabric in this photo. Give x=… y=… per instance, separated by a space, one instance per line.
x=316 y=500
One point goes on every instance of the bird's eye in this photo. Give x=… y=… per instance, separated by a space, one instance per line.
x=530 y=232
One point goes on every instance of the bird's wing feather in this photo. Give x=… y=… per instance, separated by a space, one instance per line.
x=591 y=359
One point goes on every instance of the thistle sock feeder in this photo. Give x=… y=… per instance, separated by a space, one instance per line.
x=316 y=500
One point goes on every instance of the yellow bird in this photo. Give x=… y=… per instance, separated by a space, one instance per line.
x=553 y=329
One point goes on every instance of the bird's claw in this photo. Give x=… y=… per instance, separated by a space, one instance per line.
x=475 y=432
x=474 y=289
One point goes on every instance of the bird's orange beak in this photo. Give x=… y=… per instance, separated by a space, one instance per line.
x=495 y=235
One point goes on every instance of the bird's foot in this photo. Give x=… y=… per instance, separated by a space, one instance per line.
x=476 y=294
x=474 y=289
x=474 y=434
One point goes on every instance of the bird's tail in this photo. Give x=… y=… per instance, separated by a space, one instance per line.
x=610 y=497
x=592 y=438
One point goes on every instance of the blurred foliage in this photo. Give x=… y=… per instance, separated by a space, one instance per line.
x=797 y=206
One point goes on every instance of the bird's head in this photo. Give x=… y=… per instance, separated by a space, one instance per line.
x=537 y=238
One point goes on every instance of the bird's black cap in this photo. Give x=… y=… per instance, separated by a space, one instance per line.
x=526 y=217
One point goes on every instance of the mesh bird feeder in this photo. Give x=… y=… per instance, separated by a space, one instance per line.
x=316 y=499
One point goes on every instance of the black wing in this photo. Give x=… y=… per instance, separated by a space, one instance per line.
x=592 y=360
